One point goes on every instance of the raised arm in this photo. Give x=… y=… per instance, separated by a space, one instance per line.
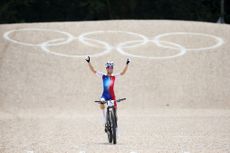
x=126 y=67
x=90 y=65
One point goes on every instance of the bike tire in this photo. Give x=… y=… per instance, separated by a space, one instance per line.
x=109 y=132
x=110 y=137
x=113 y=126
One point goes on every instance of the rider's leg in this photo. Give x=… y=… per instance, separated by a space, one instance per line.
x=102 y=107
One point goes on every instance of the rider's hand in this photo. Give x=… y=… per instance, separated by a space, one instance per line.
x=128 y=61
x=88 y=59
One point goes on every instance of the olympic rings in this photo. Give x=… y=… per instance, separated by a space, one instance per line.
x=140 y=40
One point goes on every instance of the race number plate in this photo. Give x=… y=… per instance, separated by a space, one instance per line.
x=110 y=103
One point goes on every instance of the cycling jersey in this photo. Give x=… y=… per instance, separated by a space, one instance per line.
x=108 y=86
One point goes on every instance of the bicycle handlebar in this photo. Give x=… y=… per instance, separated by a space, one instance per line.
x=118 y=100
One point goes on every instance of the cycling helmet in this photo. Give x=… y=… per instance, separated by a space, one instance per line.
x=109 y=64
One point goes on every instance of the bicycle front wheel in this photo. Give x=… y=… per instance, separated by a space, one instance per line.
x=113 y=126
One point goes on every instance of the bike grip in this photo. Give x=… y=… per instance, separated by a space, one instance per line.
x=121 y=99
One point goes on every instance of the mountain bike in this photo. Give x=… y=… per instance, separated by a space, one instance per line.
x=111 y=119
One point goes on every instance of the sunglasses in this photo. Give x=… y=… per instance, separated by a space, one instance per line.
x=109 y=67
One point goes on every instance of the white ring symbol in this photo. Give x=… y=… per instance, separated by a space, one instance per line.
x=68 y=40
x=219 y=41
x=123 y=45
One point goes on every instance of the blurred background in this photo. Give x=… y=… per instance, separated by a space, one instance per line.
x=21 y=11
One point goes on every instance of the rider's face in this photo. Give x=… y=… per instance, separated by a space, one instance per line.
x=109 y=70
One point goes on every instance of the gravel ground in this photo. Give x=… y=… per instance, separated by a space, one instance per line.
x=174 y=104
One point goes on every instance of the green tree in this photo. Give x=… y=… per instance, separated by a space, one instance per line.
x=77 y=10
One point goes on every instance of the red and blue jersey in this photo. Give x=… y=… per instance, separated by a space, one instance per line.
x=108 y=86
